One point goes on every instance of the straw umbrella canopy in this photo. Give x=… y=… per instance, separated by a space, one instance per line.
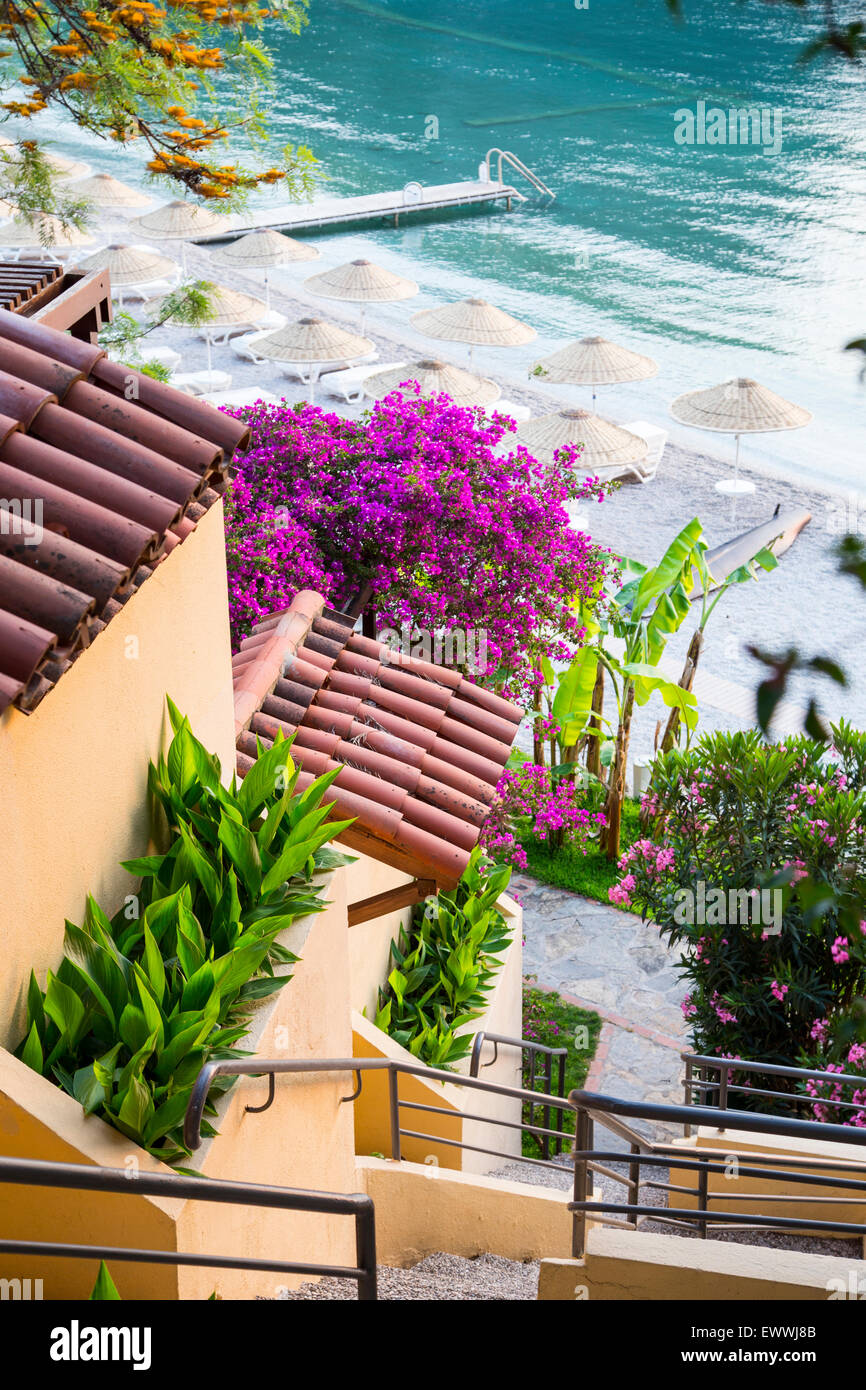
x=361 y=282
x=108 y=193
x=263 y=250
x=227 y=309
x=313 y=343
x=434 y=377
x=595 y=362
x=180 y=221
x=41 y=231
x=739 y=406
x=130 y=265
x=606 y=446
x=65 y=170
x=473 y=321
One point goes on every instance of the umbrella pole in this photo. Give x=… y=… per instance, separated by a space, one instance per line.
x=267 y=289
x=209 y=354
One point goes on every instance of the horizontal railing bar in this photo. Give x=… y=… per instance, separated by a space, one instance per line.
x=526 y=1044
x=813 y=1161
x=482 y=1119
x=476 y=1148
x=121 y=1254
x=721 y=1167
x=782 y=1223
x=774 y=1068
x=39 y=1173
x=716 y=1088
x=604 y=1106
x=264 y=1066
x=608 y=1173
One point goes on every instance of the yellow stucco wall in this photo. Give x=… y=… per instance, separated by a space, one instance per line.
x=621 y=1266
x=74 y=772
x=304 y=1140
x=422 y=1209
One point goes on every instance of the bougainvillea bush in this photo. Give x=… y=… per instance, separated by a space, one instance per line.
x=756 y=870
x=532 y=803
x=415 y=505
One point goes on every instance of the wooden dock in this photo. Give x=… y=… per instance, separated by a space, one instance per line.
x=332 y=212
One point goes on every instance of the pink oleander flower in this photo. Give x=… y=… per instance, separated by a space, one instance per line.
x=778 y=991
x=839 y=950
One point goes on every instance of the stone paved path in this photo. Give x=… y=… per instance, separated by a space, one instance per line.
x=610 y=961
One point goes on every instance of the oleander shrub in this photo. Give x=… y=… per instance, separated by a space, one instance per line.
x=536 y=804
x=142 y=1000
x=444 y=966
x=756 y=870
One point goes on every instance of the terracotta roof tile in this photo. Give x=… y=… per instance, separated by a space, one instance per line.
x=122 y=467
x=419 y=753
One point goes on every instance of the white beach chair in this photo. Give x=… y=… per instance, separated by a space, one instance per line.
x=201 y=382
x=656 y=438
x=161 y=353
x=245 y=347
x=349 y=383
x=301 y=371
x=510 y=408
x=268 y=323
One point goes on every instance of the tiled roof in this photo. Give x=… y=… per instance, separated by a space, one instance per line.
x=23 y=284
x=421 y=748
x=121 y=467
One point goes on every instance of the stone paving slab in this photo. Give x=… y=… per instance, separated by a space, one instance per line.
x=601 y=958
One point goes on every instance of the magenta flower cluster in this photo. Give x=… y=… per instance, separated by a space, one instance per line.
x=413 y=509
x=532 y=804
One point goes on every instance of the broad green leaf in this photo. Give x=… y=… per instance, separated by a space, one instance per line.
x=240 y=845
x=64 y=1008
x=104 y=1288
x=31 y=1053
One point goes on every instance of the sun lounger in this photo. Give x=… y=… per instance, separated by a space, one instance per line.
x=656 y=438
x=308 y=373
x=349 y=382
x=160 y=353
x=241 y=396
x=268 y=323
x=201 y=382
x=510 y=408
x=245 y=347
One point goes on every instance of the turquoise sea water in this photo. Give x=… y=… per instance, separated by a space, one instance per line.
x=717 y=260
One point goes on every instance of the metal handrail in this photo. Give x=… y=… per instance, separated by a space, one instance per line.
x=357 y=1066
x=519 y=165
x=533 y=1048
x=610 y=1113
x=39 y=1173
x=724 y=1087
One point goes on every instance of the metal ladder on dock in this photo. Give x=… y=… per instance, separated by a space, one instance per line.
x=502 y=156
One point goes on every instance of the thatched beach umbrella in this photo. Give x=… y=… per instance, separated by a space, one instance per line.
x=178 y=221
x=130 y=265
x=361 y=282
x=109 y=194
x=64 y=170
x=262 y=251
x=45 y=232
x=739 y=406
x=473 y=321
x=313 y=343
x=227 y=309
x=607 y=447
x=434 y=377
x=595 y=362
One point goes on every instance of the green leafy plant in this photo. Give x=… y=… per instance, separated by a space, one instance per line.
x=105 y=1289
x=444 y=967
x=140 y=1002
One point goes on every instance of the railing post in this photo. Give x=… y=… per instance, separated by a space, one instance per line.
x=394 y=1098
x=583 y=1143
x=703 y=1197
x=365 y=1252
x=687 y=1095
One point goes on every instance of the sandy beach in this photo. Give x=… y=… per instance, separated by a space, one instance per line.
x=804 y=603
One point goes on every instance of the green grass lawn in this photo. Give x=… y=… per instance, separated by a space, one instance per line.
x=590 y=874
x=548 y=1019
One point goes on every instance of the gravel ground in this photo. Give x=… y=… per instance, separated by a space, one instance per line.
x=438 y=1277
